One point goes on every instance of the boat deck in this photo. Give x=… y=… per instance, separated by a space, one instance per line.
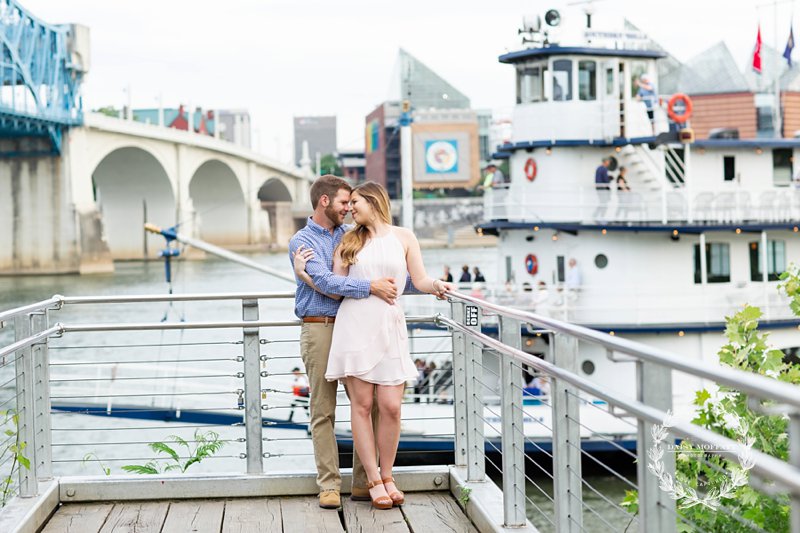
x=423 y=512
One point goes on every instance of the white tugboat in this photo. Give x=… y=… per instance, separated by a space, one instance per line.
x=705 y=226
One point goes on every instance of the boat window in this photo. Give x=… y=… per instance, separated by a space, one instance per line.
x=729 y=167
x=530 y=84
x=587 y=80
x=782 y=167
x=601 y=261
x=609 y=81
x=765 y=106
x=560 y=269
x=718 y=262
x=776 y=260
x=562 y=79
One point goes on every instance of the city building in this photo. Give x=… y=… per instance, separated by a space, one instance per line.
x=234 y=125
x=319 y=132
x=353 y=165
x=451 y=142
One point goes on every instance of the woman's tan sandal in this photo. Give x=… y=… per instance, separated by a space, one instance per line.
x=381 y=502
x=398 y=498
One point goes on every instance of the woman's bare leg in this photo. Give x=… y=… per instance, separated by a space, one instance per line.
x=361 y=397
x=390 y=398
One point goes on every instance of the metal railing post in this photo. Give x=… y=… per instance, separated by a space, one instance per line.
x=459 y=387
x=23 y=368
x=511 y=423
x=794 y=458
x=41 y=377
x=656 y=508
x=476 y=453
x=567 y=489
x=252 y=389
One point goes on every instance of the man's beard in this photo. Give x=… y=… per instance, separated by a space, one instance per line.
x=333 y=216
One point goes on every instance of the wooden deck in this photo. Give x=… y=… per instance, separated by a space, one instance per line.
x=423 y=512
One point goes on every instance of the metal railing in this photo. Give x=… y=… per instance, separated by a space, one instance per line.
x=582 y=204
x=129 y=383
x=571 y=394
x=239 y=371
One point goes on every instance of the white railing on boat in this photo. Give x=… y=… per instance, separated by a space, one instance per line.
x=251 y=351
x=665 y=205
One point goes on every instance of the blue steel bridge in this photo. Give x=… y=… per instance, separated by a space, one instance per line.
x=42 y=68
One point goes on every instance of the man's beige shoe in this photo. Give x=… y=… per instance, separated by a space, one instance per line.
x=360 y=494
x=330 y=499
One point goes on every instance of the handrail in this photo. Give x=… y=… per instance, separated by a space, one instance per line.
x=760 y=386
x=30 y=308
x=143 y=298
x=778 y=470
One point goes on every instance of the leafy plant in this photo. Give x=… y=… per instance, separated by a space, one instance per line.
x=205 y=445
x=463 y=497
x=93 y=457
x=14 y=450
x=726 y=411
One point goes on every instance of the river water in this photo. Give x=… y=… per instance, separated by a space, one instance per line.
x=89 y=444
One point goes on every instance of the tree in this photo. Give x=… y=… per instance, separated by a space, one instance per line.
x=329 y=165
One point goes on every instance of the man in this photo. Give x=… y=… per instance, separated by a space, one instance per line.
x=601 y=184
x=646 y=92
x=573 y=279
x=330 y=199
x=447 y=276
x=494 y=177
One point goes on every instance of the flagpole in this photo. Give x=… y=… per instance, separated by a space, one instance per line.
x=778 y=125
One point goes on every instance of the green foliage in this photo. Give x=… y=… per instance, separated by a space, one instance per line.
x=463 y=496
x=205 y=445
x=109 y=111
x=329 y=165
x=727 y=412
x=12 y=449
x=93 y=457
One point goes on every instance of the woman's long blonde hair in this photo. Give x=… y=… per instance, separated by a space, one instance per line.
x=355 y=239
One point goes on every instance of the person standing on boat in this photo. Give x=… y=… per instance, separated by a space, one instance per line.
x=330 y=199
x=646 y=92
x=369 y=349
x=623 y=193
x=601 y=184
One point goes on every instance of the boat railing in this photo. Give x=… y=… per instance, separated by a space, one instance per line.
x=642 y=205
x=628 y=305
x=73 y=364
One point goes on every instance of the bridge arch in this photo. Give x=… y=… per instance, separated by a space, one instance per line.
x=276 y=201
x=130 y=185
x=218 y=203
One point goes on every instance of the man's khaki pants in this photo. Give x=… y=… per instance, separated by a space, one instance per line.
x=315 y=344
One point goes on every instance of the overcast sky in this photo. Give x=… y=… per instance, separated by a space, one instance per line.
x=282 y=58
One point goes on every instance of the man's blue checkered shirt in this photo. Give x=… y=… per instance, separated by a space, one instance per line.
x=309 y=302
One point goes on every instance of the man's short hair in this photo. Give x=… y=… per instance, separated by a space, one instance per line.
x=327 y=185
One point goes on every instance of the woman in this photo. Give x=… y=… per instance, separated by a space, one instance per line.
x=369 y=348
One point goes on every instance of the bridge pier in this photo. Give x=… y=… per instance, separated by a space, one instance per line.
x=41 y=229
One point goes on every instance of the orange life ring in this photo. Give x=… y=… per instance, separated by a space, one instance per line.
x=687 y=106
x=531 y=264
x=530 y=169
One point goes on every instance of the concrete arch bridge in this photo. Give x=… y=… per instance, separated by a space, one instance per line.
x=80 y=210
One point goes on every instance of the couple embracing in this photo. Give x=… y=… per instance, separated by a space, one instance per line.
x=354 y=330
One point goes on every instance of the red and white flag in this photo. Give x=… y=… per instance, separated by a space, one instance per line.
x=757 y=52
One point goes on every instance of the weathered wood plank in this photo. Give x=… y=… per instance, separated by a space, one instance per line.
x=79 y=518
x=252 y=515
x=435 y=512
x=196 y=516
x=136 y=517
x=305 y=514
x=361 y=517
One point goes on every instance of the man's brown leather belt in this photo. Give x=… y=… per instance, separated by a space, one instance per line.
x=319 y=319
